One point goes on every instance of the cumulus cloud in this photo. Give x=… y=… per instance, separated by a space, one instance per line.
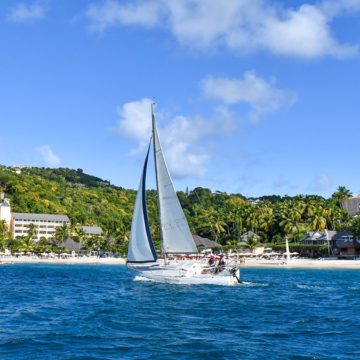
x=240 y=25
x=320 y=183
x=111 y=13
x=48 y=156
x=180 y=137
x=22 y=13
x=262 y=96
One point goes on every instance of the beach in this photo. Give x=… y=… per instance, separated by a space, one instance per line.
x=84 y=260
x=249 y=263
x=302 y=264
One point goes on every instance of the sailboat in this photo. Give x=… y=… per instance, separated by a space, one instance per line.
x=175 y=234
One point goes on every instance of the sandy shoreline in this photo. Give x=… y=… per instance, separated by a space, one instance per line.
x=249 y=263
x=302 y=264
x=62 y=261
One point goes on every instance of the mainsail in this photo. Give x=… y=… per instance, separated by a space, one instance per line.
x=141 y=246
x=176 y=235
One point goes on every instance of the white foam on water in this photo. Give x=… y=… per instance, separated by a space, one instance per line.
x=251 y=284
x=142 y=278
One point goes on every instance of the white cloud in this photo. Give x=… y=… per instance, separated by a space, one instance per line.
x=181 y=136
x=263 y=97
x=111 y=13
x=135 y=121
x=320 y=183
x=240 y=25
x=49 y=158
x=22 y=13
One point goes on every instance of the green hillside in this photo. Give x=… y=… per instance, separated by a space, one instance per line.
x=89 y=200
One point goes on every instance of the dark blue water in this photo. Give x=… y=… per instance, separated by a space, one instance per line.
x=99 y=312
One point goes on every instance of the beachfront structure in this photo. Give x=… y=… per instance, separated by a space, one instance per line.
x=346 y=245
x=352 y=205
x=326 y=237
x=342 y=243
x=92 y=230
x=45 y=224
x=5 y=210
x=204 y=243
x=248 y=235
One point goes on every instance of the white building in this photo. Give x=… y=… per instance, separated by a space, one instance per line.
x=18 y=223
x=92 y=230
x=46 y=224
x=5 y=210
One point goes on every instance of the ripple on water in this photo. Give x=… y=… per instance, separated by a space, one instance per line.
x=92 y=312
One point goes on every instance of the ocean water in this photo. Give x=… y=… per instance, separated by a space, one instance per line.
x=100 y=312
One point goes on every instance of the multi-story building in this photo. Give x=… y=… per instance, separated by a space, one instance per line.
x=46 y=224
x=5 y=210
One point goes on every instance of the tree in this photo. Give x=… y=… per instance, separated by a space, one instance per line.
x=355 y=226
x=32 y=231
x=4 y=234
x=341 y=194
x=252 y=243
x=77 y=233
x=61 y=234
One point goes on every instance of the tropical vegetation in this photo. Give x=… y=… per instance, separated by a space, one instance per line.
x=89 y=200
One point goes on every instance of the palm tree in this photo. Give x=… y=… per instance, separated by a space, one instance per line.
x=77 y=233
x=26 y=244
x=318 y=222
x=252 y=243
x=32 y=231
x=4 y=233
x=341 y=194
x=61 y=234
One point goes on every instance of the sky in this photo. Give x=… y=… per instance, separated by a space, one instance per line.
x=253 y=97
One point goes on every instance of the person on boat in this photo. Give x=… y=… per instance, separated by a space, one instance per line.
x=222 y=261
x=212 y=261
x=221 y=264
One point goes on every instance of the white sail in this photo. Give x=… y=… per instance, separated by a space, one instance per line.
x=141 y=246
x=176 y=235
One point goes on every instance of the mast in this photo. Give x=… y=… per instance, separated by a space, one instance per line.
x=157 y=183
x=287 y=248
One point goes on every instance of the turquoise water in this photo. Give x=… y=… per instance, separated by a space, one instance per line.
x=99 y=312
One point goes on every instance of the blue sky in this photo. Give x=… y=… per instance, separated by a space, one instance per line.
x=253 y=97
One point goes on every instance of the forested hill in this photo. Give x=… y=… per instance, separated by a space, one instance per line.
x=89 y=200
x=86 y=199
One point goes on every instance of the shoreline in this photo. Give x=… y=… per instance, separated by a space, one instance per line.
x=249 y=263
x=62 y=261
x=302 y=264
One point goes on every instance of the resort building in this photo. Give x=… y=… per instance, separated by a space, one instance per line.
x=319 y=238
x=19 y=223
x=92 y=230
x=204 y=243
x=46 y=224
x=342 y=243
x=346 y=246
x=5 y=210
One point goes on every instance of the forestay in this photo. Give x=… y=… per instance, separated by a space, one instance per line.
x=141 y=247
x=176 y=235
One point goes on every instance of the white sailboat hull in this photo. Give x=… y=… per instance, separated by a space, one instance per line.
x=189 y=273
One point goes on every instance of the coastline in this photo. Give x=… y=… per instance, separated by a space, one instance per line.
x=63 y=261
x=249 y=263
x=302 y=264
